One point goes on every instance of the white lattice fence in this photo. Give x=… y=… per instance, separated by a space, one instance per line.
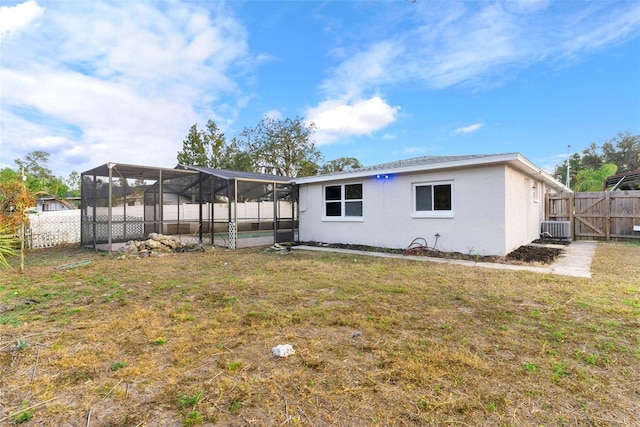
x=47 y=229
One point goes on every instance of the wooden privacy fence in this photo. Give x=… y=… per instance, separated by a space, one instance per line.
x=598 y=215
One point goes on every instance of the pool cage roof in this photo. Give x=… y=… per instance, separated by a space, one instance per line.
x=122 y=202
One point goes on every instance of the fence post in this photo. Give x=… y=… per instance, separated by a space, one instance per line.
x=607 y=216
x=571 y=212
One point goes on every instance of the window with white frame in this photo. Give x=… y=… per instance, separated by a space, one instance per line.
x=343 y=201
x=433 y=199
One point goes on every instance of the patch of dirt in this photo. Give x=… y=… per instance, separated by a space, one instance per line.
x=549 y=241
x=524 y=254
x=538 y=254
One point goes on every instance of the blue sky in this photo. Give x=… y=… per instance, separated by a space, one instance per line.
x=123 y=81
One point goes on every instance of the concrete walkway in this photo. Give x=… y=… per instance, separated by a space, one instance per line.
x=575 y=259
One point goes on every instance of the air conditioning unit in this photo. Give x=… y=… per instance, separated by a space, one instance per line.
x=556 y=229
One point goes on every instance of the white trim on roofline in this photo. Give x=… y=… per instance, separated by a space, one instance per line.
x=528 y=167
x=515 y=159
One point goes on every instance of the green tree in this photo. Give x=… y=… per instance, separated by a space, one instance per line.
x=341 y=164
x=308 y=168
x=209 y=148
x=281 y=146
x=73 y=182
x=237 y=159
x=194 y=151
x=57 y=188
x=592 y=179
x=575 y=166
x=591 y=159
x=34 y=168
x=7 y=174
x=623 y=151
x=40 y=181
x=34 y=165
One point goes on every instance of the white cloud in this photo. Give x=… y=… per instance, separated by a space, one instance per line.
x=119 y=81
x=361 y=71
x=114 y=122
x=102 y=80
x=479 y=43
x=468 y=129
x=51 y=143
x=15 y=18
x=336 y=119
x=585 y=33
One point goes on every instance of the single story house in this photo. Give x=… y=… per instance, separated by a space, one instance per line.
x=50 y=203
x=475 y=204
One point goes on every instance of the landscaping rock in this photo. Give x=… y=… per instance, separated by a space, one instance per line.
x=156 y=244
x=130 y=247
x=283 y=350
x=153 y=244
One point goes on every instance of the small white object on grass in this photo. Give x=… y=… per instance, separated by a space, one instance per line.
x=283 y=350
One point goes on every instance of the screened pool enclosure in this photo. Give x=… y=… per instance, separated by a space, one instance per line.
x=196 y=204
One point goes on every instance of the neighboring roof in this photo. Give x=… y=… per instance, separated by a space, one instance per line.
x=230 y=174
x=430 y=163
x=45 y=198
x=622 y=180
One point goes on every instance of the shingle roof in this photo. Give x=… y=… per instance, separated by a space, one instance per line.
x=432 y=163
x=416 y=161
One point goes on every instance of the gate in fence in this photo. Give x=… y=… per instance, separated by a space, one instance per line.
x=599 y=215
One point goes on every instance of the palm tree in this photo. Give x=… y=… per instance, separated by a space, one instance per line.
x=15 y=200
x=8 y=243
x=592 y=179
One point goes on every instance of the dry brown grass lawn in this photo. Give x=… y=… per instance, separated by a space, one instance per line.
x=186 y=339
